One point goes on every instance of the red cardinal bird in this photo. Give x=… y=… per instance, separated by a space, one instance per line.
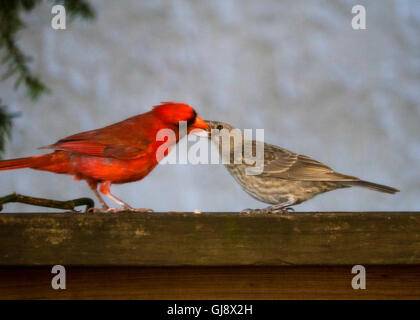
x=119 y=153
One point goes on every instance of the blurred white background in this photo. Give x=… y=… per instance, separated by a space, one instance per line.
x=350 y=99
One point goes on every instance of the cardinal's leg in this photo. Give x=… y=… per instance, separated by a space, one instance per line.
x=105 y=189
x=94 y=185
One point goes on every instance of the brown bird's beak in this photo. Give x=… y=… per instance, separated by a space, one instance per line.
x=198 y=126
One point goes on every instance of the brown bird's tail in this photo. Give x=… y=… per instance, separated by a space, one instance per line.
x=372 y=186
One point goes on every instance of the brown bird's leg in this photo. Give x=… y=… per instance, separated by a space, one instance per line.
x=282 y=207
x=94 y=185
x=105 y=189
x=279 y=209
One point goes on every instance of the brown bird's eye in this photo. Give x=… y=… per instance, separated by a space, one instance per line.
x=219 y=127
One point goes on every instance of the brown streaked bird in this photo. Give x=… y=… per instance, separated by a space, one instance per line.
x=287 y=178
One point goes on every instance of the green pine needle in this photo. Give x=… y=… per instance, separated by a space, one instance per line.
x=6 y=119
x=15 y=62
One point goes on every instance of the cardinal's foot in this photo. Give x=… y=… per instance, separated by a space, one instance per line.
x=97 y=210
x=118 y=210
x=128 y=208
x=141 y=210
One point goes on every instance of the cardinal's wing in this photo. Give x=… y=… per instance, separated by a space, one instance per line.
x=284 y=164
x=121 y=141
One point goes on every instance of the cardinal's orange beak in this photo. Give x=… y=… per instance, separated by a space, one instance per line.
x=200 y=124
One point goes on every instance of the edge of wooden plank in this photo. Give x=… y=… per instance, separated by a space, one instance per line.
x=210 y=239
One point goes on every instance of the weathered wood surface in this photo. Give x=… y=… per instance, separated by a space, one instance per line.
x=332 y=282
x=211 y=239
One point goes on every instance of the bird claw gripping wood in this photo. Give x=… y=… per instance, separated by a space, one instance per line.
x=282 y=210
x=116 y=210
x=48 y=203
x=269 y=210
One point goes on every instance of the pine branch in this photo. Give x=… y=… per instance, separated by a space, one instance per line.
x=5 y=126
x=17 y=65
x=77 y=8
x=15 y=61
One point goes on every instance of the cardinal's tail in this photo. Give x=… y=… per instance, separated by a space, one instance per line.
x=20 y=163
x=372 y=186
x=37 y=162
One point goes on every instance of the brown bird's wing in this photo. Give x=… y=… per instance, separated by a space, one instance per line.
x=123 y=140
x=284 y=164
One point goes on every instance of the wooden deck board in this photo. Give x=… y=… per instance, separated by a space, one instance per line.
x=382 y=282
x=210 y=239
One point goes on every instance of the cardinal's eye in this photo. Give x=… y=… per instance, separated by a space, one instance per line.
x=219 y=127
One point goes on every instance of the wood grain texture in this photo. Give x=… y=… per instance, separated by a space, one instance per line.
x=211 y=239
x=382 y=282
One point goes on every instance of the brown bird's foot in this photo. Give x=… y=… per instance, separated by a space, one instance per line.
x=250 y=211
x=272 y=209
x=284 y=210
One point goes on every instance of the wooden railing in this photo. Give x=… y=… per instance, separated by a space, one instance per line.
x=210 y=255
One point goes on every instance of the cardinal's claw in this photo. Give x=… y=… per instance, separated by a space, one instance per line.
x=117 y=210
x=141 y=210
x=98 y=210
